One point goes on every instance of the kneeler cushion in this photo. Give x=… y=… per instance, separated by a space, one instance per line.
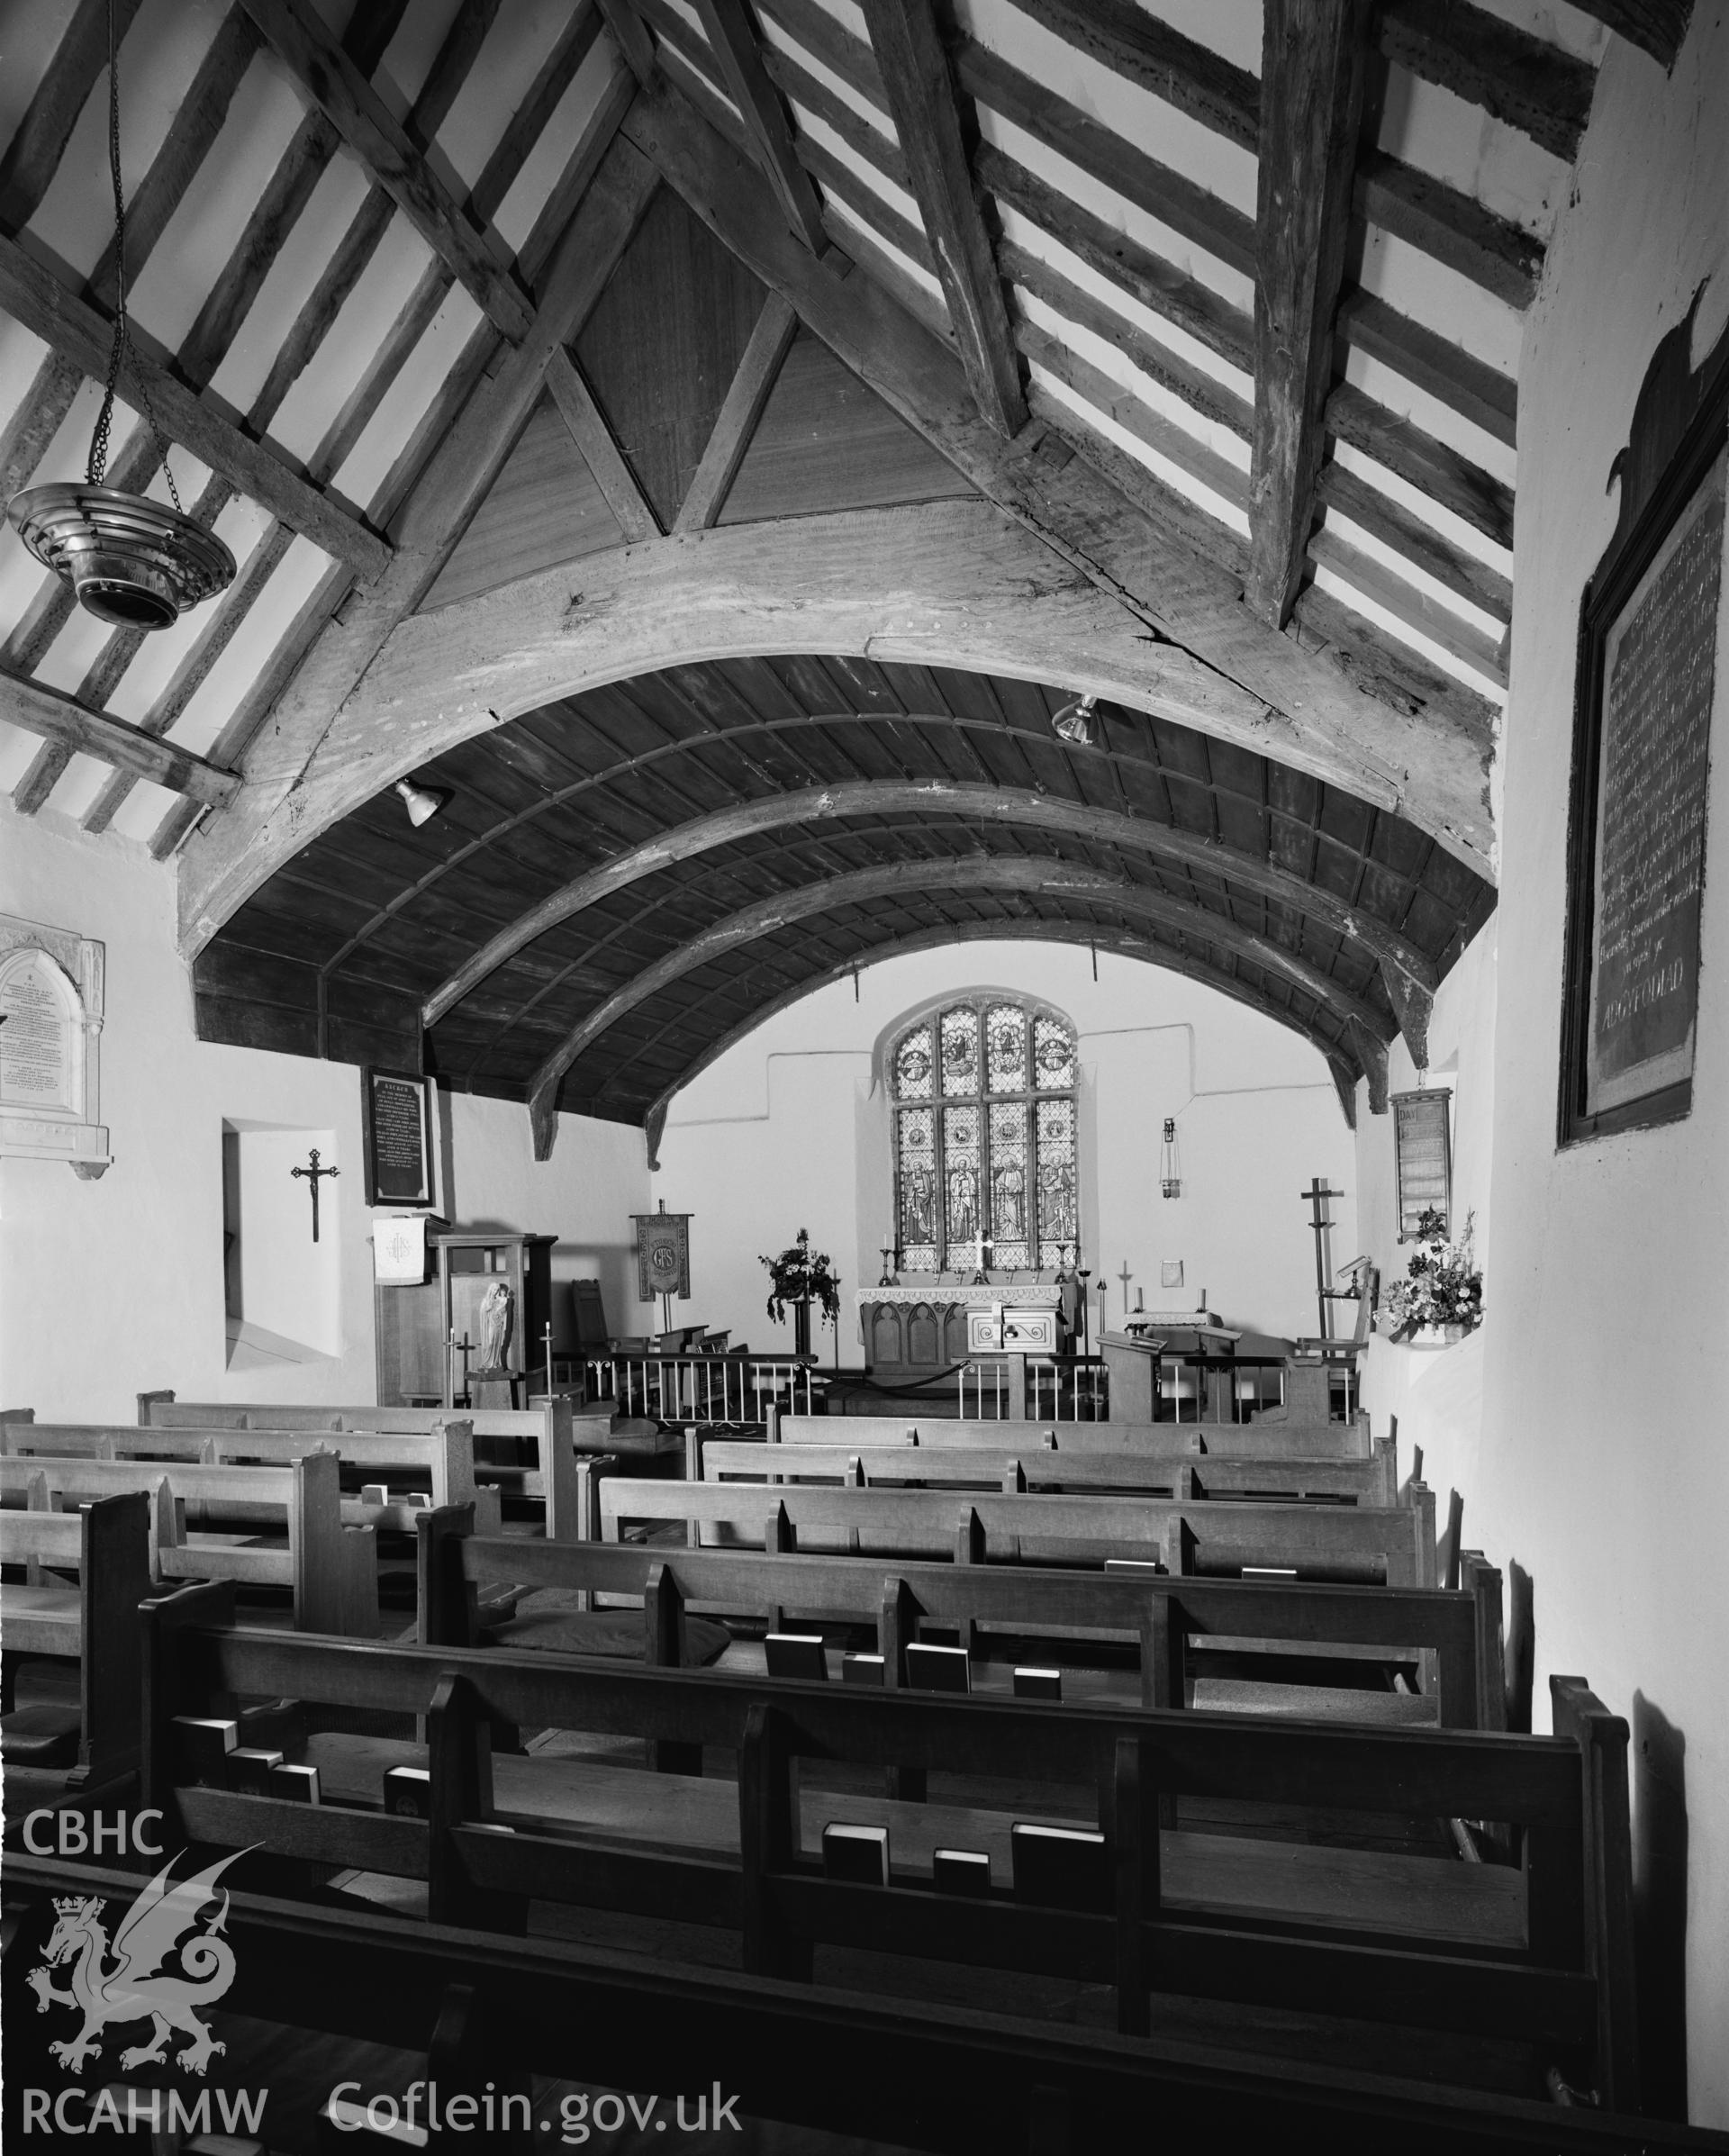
x=548 y=1619
x=44 y=1735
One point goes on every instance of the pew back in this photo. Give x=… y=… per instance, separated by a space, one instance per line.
x=1007 y=1467
x=332 y=1569
x=1485 y=1950
x=108 y=1542
x=1165 y=1440
x=1068 y=1612
x=535 y=1447
x=1393 y=1545
x=439 y=1462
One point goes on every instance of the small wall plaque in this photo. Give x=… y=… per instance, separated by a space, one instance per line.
x=51 y=990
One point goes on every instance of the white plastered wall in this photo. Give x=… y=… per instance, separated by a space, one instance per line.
x=112 y=1287
x=785 y=1131
x=1436 y=1395
x=1598 y=1465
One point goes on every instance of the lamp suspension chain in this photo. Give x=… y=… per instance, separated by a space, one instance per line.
x=98 y=464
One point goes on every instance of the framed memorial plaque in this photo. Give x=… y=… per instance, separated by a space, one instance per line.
x=396 y=1116
x=1648 y=685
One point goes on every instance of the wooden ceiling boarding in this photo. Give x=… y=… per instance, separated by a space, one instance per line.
x=1217 y=312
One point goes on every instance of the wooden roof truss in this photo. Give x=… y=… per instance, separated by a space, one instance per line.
x=1188 y=355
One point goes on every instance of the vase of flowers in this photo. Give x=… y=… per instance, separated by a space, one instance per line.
x=801 y=1276
x=1441 y=1298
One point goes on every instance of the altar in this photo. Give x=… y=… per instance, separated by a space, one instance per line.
x=916 y=1331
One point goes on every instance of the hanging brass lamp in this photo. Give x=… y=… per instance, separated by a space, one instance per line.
x=133 y=563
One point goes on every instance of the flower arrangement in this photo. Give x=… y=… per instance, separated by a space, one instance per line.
x=801 y=1274
x=1443 y=1285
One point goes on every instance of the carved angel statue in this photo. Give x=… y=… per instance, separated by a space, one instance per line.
x=497 y=1310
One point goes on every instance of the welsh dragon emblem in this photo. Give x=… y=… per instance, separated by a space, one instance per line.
x=135 y=1987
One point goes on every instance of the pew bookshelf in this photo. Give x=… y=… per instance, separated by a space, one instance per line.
x=1483 y=1951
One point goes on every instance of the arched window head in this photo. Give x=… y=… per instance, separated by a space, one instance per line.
x=984 y=1152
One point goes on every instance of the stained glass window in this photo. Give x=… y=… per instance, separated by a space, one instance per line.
x=985 y=1141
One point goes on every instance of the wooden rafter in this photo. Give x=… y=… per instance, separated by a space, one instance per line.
x=1183 y=595
x=298 y=37
x=927 y=122
x=1341 y=1058
x=736 y=423
x=1042 y=878
x=1532 y=85
x=1656 y=26
x=76 y=727
x=34 y=153
x=630 y=38
x=35 y=298
x=1312 y=62
x=732 y=38
x=543 y=265
x=1172 y=198
x=1454 y=227
x=999 y=806
x=1142 y=49
x=599 y=451
x=1445 y=371
x=456 y=479
x=235 y=605
x=1476 y=390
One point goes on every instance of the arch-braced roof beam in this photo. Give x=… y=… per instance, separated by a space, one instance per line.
x=1042 y=878
x=1122 y=943
x=999 y=805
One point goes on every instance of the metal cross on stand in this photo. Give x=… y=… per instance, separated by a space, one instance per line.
x=1317 y=1194
x=311 y=1175
x=1125 y=1276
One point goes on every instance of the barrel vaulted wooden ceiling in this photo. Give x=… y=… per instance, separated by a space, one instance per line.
x=713 y=440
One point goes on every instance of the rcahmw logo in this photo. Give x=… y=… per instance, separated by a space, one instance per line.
x=134 y=1986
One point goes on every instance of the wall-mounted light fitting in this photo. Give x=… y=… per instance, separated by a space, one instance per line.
x=423 y=802
x=1170 y=1167
x=1074 y=722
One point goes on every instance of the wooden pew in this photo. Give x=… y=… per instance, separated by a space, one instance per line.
x=1479 y=1951
x=332 y=1569
x=438 y=1462
x=951 y=2079
x=1010 y=1467
x=1160 y=1440
x=534 y=1450
x=108 y=1543
x=1287 y=1631
x=1392 y=1546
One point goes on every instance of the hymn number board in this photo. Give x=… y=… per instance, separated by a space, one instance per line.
x=1648 y=688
